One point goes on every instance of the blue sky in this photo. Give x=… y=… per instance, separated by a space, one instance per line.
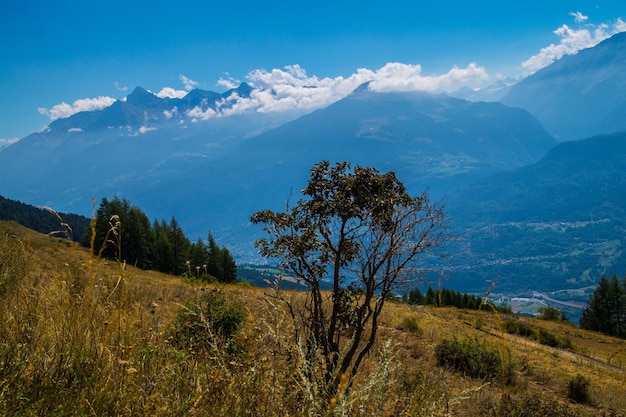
x=63 y=56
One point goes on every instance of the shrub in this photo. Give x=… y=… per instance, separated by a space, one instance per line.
x=548 y=339
x=551 y=314
x=578 y=390
x=566 y=343
x=519 y=328
x=410 y=324
x=212 y=319
x=470 y=357
x=532 y=405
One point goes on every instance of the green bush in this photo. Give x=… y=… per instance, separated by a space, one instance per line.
x=212 y=320
x=578 y=390
x=410 y=324
x=470 y=357
x=548 y=339
x=551 y=314
x=519 y=328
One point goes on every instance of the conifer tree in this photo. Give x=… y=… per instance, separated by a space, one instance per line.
x=606 y=309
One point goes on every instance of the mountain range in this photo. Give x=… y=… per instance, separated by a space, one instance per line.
x=531 y=210
x=141 y=139
x=580 y=95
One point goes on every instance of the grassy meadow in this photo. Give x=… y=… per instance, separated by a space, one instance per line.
x=82 y=336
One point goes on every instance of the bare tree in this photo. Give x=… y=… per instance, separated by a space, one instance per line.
x=361 y=231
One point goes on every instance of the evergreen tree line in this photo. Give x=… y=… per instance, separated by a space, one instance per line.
x=44 y=221
x=443 y=298
x=606 y=309
x=124 y=232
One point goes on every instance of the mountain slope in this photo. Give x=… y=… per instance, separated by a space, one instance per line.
x=44 y=221
x=559 y=223
x=430 y=141
x=580 y=95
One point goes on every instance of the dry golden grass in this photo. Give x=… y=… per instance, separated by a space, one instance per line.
x=83 y=336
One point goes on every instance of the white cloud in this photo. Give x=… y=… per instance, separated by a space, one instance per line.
x=169 y=92
x=228 y=82
x=63 y=110
x=571 y=41
x=74 y=129
x=198 y=114
x=7 y=142
x=579 y=17
x=292 y=88
x=119 y=87
x=170 y=113
x=144 y=129
x=188 y=83
x=402 y=77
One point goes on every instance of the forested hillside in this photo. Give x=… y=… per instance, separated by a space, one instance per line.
x=124 y=233
x=44 y=220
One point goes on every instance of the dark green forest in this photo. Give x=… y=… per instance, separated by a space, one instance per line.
x=124 y=232
x=449 y=298
x=44 y=220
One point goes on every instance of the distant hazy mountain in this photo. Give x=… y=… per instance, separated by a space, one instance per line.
x=130 y=144
x=559 y=223
x=580 y=95
x=492 y=92
x=430 y=141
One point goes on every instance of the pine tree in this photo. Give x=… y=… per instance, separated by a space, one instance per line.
x=123 y=232
x=163 y=250
x=606 y=309
x=229 y=267
x=220 y=264
x=199 y=256
x=180 y=247
x=414 y=297
x=465 y=302
x=618 y=306
x=139 y=239
x=432 y=298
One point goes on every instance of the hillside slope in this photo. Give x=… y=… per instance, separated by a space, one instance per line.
x=108 y=345
x=44 y=220
x=553 y=225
